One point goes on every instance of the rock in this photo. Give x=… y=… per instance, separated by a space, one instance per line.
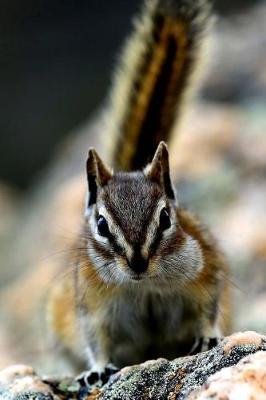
x=201 y=376
x=22 y=382
x=245 y=381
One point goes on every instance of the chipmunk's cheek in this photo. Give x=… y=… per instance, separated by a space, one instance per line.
x=192 y=257
x=153 y=268
x=121 y=264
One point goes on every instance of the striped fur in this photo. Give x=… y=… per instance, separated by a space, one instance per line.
x=126 y=316
x=152 y=78
x=144 y=289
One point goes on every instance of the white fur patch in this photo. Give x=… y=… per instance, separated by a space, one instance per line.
x=182 y=264
x=192 y=254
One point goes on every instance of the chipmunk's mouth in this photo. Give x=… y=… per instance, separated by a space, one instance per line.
x=136 y=278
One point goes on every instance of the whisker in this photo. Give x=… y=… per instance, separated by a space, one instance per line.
x=230 y=281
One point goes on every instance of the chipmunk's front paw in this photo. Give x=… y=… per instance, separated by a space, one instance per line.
x=93 y=376
x=204 y=344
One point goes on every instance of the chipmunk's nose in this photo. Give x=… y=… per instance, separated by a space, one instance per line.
x=138 y=264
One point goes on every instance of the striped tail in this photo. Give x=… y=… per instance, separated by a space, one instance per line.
x=152 y=78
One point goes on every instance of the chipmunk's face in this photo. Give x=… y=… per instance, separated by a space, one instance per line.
x=133 y=231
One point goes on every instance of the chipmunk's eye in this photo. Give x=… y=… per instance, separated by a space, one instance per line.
x=102 y=226
x=165 y=221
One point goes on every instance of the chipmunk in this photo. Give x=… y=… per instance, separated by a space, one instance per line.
x=149 y=279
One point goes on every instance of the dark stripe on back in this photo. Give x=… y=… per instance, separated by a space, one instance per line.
x=151 y=132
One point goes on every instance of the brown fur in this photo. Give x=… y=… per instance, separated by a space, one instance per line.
x=95 y=295
x=214 y=279
x=101 y=314
x=155 y=72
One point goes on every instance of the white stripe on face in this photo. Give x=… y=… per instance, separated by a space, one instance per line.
x=153 y=226
x=114 y=229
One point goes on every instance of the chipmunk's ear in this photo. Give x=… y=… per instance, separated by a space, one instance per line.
x=158 y=170
x=98 y=175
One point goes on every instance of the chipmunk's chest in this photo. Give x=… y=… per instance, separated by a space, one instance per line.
x=147 y=316
x=146 y=327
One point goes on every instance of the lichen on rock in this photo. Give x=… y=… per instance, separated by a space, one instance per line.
x=245 y=381
x=217 y=371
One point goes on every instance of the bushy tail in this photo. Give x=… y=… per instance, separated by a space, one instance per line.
x=152 y=77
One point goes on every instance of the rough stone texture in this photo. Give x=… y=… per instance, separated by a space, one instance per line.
x=159 y=379
x=245 y=381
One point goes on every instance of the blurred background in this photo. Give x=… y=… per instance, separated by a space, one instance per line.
x=56 y=60
x=56 y=63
